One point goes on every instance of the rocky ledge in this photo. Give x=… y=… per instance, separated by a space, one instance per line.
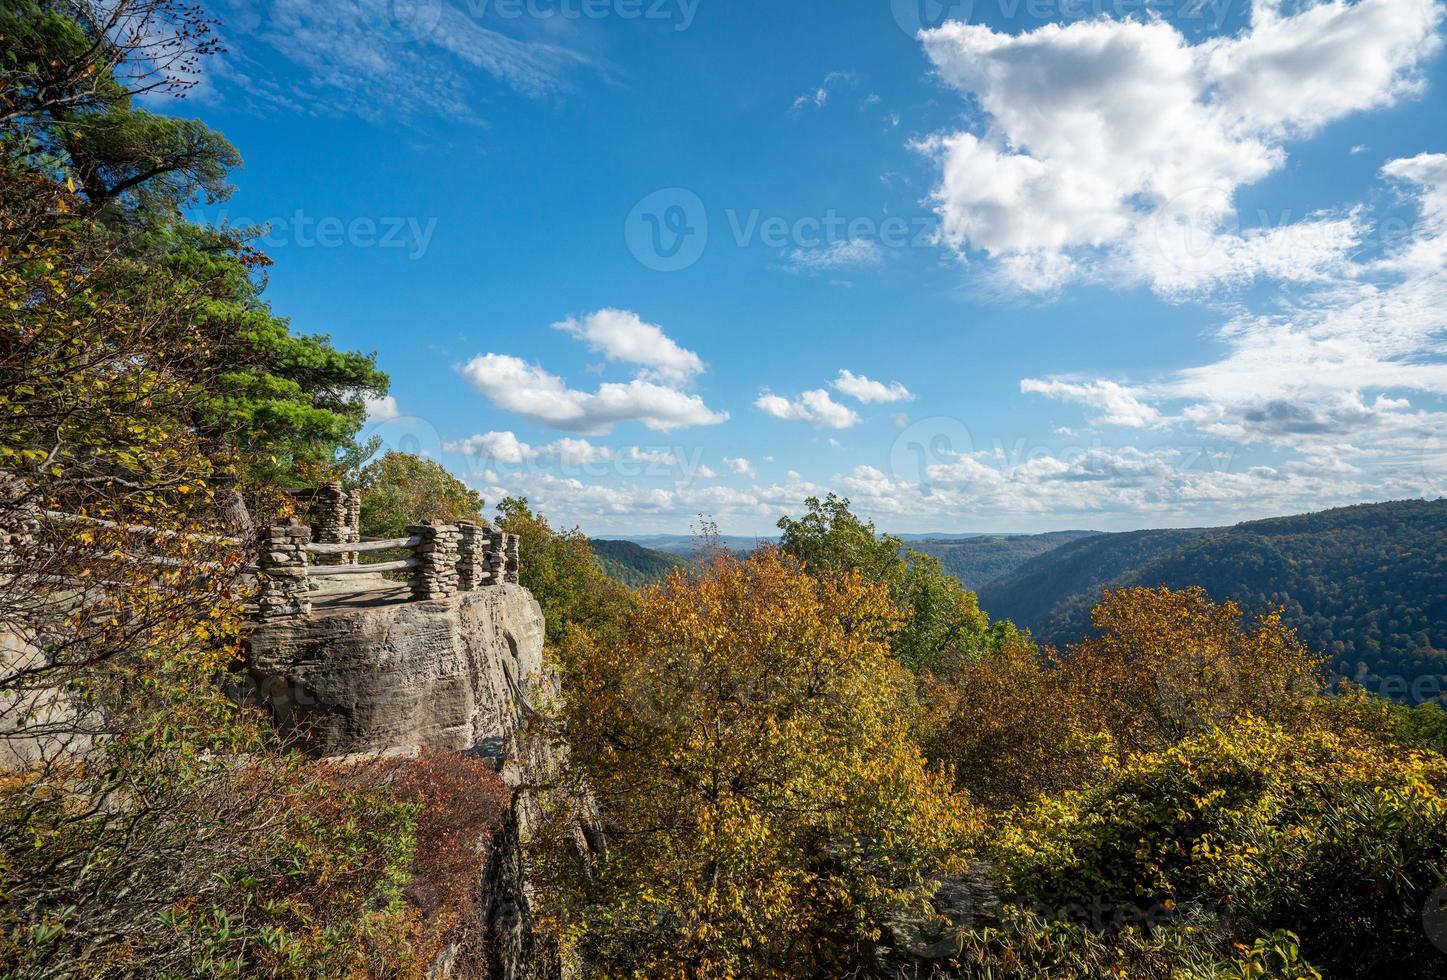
x=378 y=672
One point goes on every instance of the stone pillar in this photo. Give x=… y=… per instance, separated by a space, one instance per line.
x=494 y=558
x=510 y=551
x=471 y=557
x=436 y=576
x=329 y=513
x=354 y=523
x=282 y=577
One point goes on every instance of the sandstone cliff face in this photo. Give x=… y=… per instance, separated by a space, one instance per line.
x=378 y=672
x=382 y=673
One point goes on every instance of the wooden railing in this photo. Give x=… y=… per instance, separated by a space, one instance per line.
x=352 y=548
x=442 y=560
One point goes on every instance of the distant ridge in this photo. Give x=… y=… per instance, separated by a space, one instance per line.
x=1366 y=585
x=632 y=564
x=979 y=559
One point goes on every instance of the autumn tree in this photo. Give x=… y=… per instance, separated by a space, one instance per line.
x=68 y=57
x=145 y=820
x=1166 y=663
x=401 y=488
x=288 y=403
x=1010 y=727
x=1338 y=840
x=944 y=625
x=765 y=810
x=561 y=571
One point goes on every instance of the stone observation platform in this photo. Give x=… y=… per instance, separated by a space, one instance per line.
x=301 y=572
x=439 y=648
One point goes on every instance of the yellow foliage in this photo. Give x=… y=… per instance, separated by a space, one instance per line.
x=765 y=807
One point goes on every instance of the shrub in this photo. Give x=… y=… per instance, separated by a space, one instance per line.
x=1340 y=840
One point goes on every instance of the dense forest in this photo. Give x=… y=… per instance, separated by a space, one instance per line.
x=633 y=564
x=978 y=560
x=1365 y=585
x=821 y=758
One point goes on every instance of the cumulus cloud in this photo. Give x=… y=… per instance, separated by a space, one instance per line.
x=740 y=466
x=1354 y=368
x=1117 y=405
x=814 y=406
x=382 y=409
x=577 y=452
x=1114 y=149
x=861 y=388
x=500 y=447
x=533 y=393
x=622 y=335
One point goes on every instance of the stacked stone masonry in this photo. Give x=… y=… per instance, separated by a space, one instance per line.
x=471 y=555
x=510 y=550
x=436 y=576
x=283 y=590
x=448 y=558
x=329 y=515
x=353 y=524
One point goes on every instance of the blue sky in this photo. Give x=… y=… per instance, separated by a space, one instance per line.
x=1001 y=265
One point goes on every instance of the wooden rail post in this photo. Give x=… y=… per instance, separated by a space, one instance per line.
x=282 y=576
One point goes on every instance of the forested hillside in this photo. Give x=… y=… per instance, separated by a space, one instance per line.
x=1366 y=585
x=633 y=564
x=1033 y=591
x=978 y=560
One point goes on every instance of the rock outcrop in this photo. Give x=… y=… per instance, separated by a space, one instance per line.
x=383 y=673
x=378 y=672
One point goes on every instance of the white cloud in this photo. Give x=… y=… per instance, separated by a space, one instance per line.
x=819 y=95
x=382 y=58
x=382 y=409
x=1113 y=149
x=513 y=384
x=577 y=452
x=814 y=406
x=654 y=457
x=499 y=447
x=1353 y=369
x=623 y=335
x=1118 y=405
x=859 y=387
x=836 y=255
x=740 y=466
